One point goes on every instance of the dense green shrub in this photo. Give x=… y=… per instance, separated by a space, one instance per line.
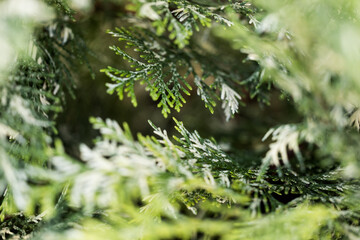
x=284 y=161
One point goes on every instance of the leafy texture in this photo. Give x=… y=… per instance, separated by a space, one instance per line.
x=156 y=185
x=31 y=97
x=181 y=18
x=294 y=64
x=166 y=71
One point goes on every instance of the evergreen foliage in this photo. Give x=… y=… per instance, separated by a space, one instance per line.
x=303 y=185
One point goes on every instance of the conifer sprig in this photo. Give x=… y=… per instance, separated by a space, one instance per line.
x=168 y=73
x=182 y=18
